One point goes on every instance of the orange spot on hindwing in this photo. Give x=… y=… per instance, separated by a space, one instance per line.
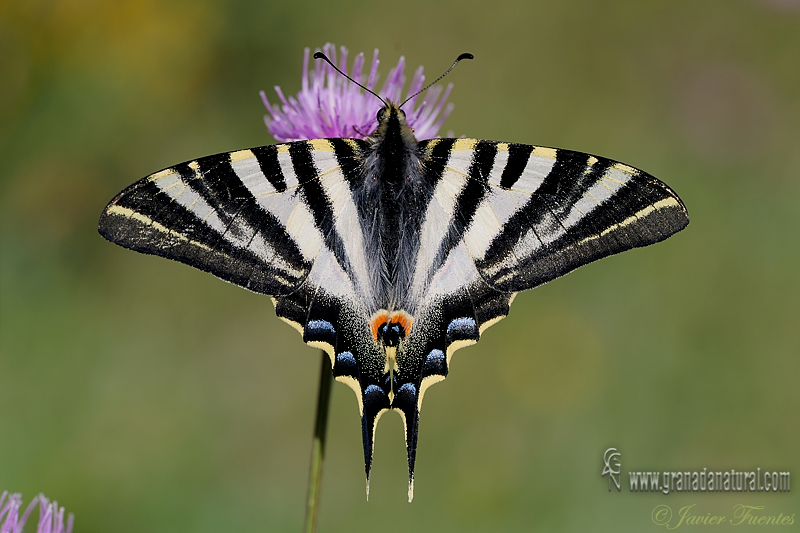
x=390 y=328
x=378 y=319
x=404 y=319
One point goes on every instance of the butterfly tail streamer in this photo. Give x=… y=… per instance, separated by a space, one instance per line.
x=406 y=402
x=375 y=402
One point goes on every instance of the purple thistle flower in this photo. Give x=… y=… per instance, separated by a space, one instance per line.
x=330 y=105
x=51 y=516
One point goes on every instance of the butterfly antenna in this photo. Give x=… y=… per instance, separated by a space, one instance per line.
x=320 y=55
x=437 y=80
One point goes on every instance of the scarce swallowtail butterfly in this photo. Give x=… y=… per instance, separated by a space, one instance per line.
x=391 y=253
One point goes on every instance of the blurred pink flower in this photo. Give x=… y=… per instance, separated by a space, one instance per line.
x=51 y=516
x=330 y=105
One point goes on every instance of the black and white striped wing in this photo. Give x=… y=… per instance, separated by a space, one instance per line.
x=528 y=214
x=505 y=218
x=517 y=216
x=278 y=220
x=508 y=217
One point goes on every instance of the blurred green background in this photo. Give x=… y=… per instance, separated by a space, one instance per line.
x=146 y=396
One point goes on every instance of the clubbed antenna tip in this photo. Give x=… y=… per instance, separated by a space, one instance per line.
x=465 y=55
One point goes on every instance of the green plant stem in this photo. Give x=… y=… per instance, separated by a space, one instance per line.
x=318 y=444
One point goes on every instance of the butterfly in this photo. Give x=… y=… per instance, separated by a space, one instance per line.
x=391 y=253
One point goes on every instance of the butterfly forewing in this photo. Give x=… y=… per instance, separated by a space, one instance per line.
x=202 y=213
x=543 y=212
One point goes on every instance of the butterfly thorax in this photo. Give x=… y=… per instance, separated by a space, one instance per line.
x=393 y=146
x=393 y=198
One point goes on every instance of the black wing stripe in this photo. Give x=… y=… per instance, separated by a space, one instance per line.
x=483 y=161
x=206 y=203
x=585 y=191
x=581 y=209
x=441 y=188
x=573 y=191
x=436 y=162
x=561 y=188
x=222 y=188
x=518 y=155
x=539 y=164
x=538 y=215
x=642 y=212
x=317 y=201
x=565 y=173
x=468 y=200
x=267 y=157
x=347 y=156
x=497 y=208
x=525 y=219
x=141 y=218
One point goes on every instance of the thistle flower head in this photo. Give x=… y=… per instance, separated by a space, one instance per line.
x=51 y=516
x=330 y=105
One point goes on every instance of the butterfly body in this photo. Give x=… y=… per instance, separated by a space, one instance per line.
x=391 y=253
